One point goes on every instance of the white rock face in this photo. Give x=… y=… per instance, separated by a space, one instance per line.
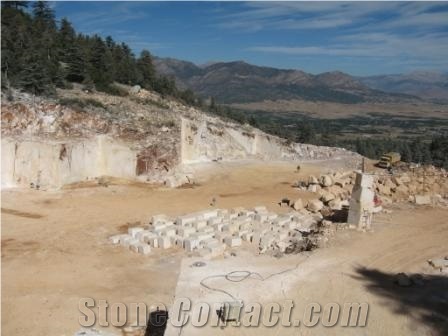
x=211 y=139
x=52 y=164
x=49 y=144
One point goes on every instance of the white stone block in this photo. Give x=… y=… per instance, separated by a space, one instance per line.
x=134 y=230
x=246 y=226
x=154 y=241
x=176 y=241
x=220 y=236
x=159 y=218
x=261 y=217
x=185 y=231
x=207 y=214
x=116 y=239
x=248 y=213
x=133 y=245
x=200 y=224
x=260 y=209
x=191 y=244
x=204 y=236
x=179 y=241
x=143 y=234
x=223 y=212
x=186 y=220
x=168 y=232
x=214 y=220
x=233 y=241
x=240 y=233
x=216 y=249
x=247 y=236
x=266 y=241
x=218 y=227
x=125 y=239
x=237 y=210
x=207 y=230
x=272 y=216
x=144 y=249
x=159 y=226
x=210 y=242
x=164 y=242
x=231 y=228
x=233 y=215
x=146 y=236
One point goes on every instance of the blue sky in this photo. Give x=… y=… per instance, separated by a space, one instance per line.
x=361 y=38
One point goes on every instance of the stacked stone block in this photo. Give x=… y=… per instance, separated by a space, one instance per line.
x=209 y=233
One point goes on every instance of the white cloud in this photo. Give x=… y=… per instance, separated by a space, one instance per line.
x=406 y=32
x=425 y=49
x=257 y=16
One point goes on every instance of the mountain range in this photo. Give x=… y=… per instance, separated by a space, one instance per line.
x=424 y=84
x=241 y=82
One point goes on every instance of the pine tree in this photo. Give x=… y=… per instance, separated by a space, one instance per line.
x=15 y=38
x=45 y=40
x=146 y=70
x=33 y=77
x=100 y=64
x=14 y=4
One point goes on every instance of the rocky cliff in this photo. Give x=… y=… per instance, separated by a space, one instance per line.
x=83 y=136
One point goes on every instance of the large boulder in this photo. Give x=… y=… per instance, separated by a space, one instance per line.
x=383 y=190
x=405 y=178
x=327 y=196
x=314 y=205
x=313 y=180
x=341 y=182
x=298 y=205
x=402 y=192
x=314 y=187
x=326 y=180
x=422 y=199
x=335 y=204
x=389 y=184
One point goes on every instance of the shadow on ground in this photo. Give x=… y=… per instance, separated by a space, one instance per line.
x=425 y=300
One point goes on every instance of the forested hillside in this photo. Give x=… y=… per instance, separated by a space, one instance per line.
x=40 y=54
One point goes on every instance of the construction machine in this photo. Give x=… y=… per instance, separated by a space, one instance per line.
x=389 y=160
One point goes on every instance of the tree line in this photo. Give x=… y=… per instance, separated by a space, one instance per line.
x=40 y=54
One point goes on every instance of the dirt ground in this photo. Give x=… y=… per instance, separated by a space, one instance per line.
x=55 y=251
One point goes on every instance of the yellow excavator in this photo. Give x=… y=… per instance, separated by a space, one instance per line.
x=389 y=160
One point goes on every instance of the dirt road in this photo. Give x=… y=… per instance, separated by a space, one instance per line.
x=55 y=250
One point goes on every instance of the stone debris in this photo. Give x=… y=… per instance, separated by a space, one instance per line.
x=439 y=264
x=210 y=233
x=314 y=205
x=422 y=199
x=423 y=185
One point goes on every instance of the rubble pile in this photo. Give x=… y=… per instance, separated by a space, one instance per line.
x=209 y=233
x=333 y=191
x=420 y=185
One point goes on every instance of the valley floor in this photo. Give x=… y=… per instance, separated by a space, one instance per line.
x=55 y=251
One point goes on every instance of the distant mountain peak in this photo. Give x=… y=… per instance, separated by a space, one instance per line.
x=240 y=82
